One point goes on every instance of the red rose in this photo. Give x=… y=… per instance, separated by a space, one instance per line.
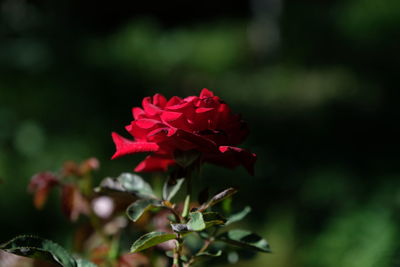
x=204 y=124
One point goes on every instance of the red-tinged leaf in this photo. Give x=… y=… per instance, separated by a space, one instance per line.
x=40 y=197
x=70 y=167
x=40 y=186
x=73 y=203
x=89 y=165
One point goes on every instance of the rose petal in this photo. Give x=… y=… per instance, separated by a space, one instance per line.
x=149 y=107
x=176 y=120
x=201 y=143
x=234 y=156
x=180 y=107
x=221 y=116
x=169 y=116
x=158 y=135
x=192 y=98
x=159 y=100
x=137 y=113
x=204 y=110
x=206 y=93
x=174 y=101
x=154 y=163
x=141 y=128
x=146 y=123
x=125 y=146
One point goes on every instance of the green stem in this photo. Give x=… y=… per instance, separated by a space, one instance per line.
x=205 y=246
x=114 y=248
x=177 y=252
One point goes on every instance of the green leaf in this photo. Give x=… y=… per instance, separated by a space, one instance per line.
x=213 y=218
x=218 y=197
x=171 y=187
x=137 y=208
x=135 y=184
x=129 y=183
x=196 y=222
x=85 y=263
x=109 y=184
x=245 y=239
x=151 y=239
x=39 y=248
x=238 y=216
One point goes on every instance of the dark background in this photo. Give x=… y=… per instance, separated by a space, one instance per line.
x=315 y=79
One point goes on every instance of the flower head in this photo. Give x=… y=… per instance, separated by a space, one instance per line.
x=199 y=125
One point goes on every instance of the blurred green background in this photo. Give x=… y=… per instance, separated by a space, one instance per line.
x=315 y=79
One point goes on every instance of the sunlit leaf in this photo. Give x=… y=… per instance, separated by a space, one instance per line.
x=238 y=216
x=151 y=239
x=196 y=221
x=137 y=208
x=39 y=248
x=127 y=182
x=135 y=184
x=245 y=239
x=109 y=184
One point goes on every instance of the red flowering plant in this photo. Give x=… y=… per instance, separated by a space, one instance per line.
x=184 y=133
x=179 y=135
